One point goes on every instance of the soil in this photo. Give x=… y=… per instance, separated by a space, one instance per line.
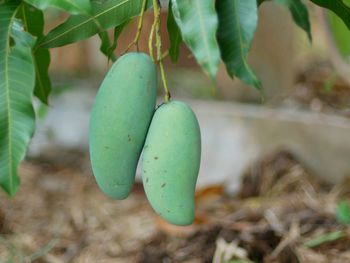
x=281 y=214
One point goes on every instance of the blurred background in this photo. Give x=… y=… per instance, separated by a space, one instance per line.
x=274 y=181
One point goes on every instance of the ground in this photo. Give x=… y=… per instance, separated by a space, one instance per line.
x=281 y=214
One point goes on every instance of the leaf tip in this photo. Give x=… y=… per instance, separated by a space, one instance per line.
x=12 y=189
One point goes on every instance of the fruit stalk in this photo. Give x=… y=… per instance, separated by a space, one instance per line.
x=139 y=28
x=156 y=27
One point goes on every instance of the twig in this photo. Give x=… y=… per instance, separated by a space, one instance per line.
x=139 y=28
x=156 y=24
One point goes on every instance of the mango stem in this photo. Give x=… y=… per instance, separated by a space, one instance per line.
x=156 y=25
x=139 y=28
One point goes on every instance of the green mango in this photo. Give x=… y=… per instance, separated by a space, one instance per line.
x=120 y=118
x=170 y=162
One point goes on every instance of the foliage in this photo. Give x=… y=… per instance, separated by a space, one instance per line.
x=238 y=21
x=174 y=36
x=343 y=212
x=17 y=76
x=198 y=23
x=299 y=13
x=340 y=33
x=325 y=238
x=213 y=30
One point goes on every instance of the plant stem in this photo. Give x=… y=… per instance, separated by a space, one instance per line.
x=165 y=85
x=150 y=41
x=156 y=24
x=165 y=54
x=139 y=28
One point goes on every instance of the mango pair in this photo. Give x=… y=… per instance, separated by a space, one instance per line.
x=124 y=121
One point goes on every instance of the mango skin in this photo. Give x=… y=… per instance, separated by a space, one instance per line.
x=170 y=162
x=120 y=118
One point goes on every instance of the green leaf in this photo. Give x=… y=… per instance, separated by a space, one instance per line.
x=198 y=23
x=341 y=34
x=33 y=20
x=106 y=45
x=340 y=8
x=70 y=6
x=104 y=16
x=117 y=31
x=328 y=237
x=343 y=212
x=174 y=35
x=261 y=1
x=42 y=80
x=108 y=48
x=237 y=24
x=299 y=13
x=16 y=88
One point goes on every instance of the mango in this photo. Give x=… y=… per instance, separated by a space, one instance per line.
x=121 y=114
x=170 y=162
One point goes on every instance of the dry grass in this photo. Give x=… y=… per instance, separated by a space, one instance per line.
x=59 y=215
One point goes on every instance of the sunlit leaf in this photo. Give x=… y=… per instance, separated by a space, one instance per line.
x=339 y=7
x=198 y=23
x=70 y=6
x=104 y=16
x=341 y=34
